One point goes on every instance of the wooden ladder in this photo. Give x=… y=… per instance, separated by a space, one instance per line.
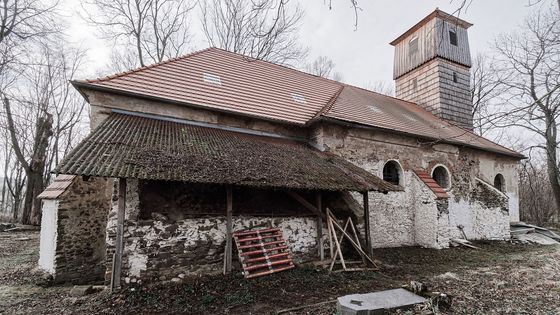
x=262 y=252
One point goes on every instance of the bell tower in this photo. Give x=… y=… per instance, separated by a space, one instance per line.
x=432 y=67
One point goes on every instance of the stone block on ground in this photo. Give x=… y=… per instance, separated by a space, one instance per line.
x=377 y=302
x=81 y=290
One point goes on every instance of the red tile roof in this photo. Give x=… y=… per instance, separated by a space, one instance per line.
x=264 y=90
x=57 y=187
x=256 y=88
x=129 y=146
x=431 y=183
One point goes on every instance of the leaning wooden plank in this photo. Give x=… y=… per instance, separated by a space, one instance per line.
x=117 y=258
x=462 y=242
x=358 y=248
x=336 y=243
x=254 y=232
x=265 y=254
x=264 y=250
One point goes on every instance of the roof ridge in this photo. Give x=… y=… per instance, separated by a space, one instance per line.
x=329 y=104
x=126 y=72
x=272 y=64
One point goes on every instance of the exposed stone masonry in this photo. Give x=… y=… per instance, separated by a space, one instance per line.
x=80 y=245
x=170 y=248
x=414 y=216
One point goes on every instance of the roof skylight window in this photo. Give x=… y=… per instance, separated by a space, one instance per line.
x=211 y=78
x=298 y=98
x=409 y=117
x=376 y=109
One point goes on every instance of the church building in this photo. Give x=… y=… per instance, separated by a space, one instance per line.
x=184 y=152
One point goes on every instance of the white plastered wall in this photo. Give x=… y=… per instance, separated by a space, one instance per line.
x=48 y=235
x=489 y=168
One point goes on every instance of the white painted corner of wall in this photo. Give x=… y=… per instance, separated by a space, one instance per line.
x=47 y=247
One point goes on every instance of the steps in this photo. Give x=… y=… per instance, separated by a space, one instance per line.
x=262 y=252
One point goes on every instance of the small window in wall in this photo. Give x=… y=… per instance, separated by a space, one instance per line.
x=455 y=77
x=453 y=37
x=500 y=183
x=441 y=176
x=413 y=46
x=392 y=172
x=414 y=84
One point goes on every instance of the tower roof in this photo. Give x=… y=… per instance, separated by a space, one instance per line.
x=437 y=13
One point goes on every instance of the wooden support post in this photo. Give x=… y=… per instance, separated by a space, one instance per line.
x=117 y=257
x=229 y=234
x=318 y=203
x=305 y=203
x=366 y=222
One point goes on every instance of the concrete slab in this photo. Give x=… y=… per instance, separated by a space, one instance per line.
x=537 y=238
x=377 y=302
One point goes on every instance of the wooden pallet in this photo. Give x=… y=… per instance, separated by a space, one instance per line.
x=262 y=252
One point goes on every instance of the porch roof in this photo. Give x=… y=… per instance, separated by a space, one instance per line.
x=128 y=146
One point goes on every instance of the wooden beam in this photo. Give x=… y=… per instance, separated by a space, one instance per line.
x=318 y=202
x=117 y=257
x=305 y=203
x=366 y=223
x=229 y=232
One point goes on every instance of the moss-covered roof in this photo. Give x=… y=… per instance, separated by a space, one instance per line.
x=127 y=146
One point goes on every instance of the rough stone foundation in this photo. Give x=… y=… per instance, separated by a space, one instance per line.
x=167 y=249
x=159 y=251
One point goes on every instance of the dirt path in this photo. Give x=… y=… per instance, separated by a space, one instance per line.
x=499 y=278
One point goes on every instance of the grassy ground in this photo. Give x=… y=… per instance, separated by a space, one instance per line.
x=499 y=278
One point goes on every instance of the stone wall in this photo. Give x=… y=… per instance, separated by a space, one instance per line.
x=102 y=104
x=80 y=232
x=482 y=216
x=166 y=249
x=414 y=216
x=161 y=251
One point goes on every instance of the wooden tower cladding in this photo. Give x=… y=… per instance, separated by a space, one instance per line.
x=432 y=67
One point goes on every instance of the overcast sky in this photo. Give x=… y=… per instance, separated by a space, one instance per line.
x=362 y=56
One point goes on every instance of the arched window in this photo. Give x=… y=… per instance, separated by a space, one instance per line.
x=441 y=175
x=500 y=182
x=392 y=172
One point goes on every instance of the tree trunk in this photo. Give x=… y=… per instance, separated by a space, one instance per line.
x=552 y=164
x=35 y=181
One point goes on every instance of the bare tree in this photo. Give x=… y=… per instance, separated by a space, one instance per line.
x=529 y=63
x=42 y=119
x=486 y=87
x=144 y=31
x=324 y=67
x=35 y=166
x=23 y=23
x=536 y=198
x=382 y=87
x=261 y=29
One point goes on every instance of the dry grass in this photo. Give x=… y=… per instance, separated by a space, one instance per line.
x=500 y=278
